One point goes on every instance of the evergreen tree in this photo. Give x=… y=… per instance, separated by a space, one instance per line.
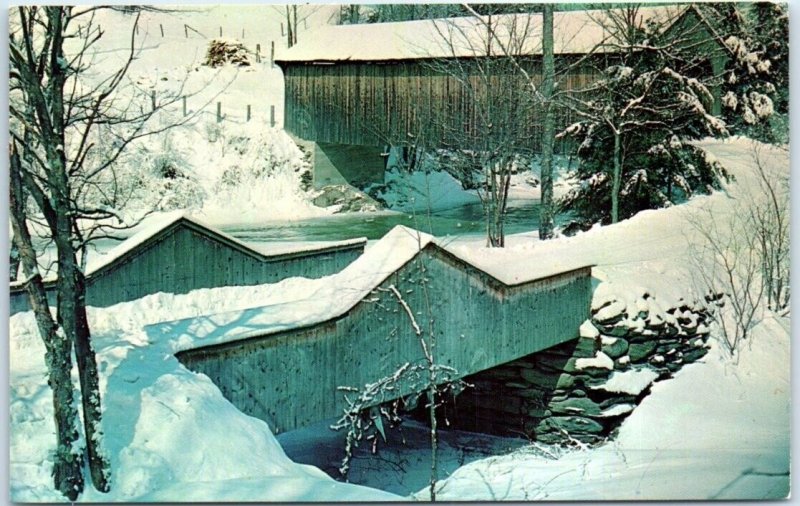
x=634 y=122
x=756 y=80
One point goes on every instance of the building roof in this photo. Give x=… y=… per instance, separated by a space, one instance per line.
x=156 y=227
x=330 y=298
x=575 y=32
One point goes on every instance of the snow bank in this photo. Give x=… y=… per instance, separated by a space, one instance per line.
x=170 y=433
x=423 y=191
x=235 y=170
x=246 y=173
x=299 y=301
x=718 y=430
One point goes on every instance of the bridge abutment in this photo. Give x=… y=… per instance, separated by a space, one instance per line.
x=582 y=389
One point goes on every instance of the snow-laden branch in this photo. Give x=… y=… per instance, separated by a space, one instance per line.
x=403 y=303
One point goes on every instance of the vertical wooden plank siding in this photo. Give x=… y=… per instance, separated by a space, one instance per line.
x=290 y=379
x=184 y=259
x=379 y=103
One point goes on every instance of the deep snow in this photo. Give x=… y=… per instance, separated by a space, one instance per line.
x=717 y=430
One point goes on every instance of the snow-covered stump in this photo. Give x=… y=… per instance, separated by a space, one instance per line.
x=583 y=389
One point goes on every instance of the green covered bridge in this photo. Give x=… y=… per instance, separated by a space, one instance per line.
x=284 y=363
x=180 y=254
x=353 y=90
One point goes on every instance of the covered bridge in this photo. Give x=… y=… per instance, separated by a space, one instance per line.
x=181 y=254
x=355 y=89
x=283 y=363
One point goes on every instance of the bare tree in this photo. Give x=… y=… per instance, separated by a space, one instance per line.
x=294 y=17
x=743 y=258
x=727 y=266
x=500 y=100
x=769 y=212
x=67 y=465
x=69 y=129
x=387 y=398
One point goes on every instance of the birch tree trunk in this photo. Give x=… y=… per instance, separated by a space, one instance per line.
x=44 y=86
x=67 y=461
x=72 y=317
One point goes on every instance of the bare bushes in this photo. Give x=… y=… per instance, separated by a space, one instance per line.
x=742 y=259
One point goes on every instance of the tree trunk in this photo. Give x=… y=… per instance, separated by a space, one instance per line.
x=67 y=464
x=546 y=210
x=72 y=317
x=434 y=429
x=289 y=34
x=13 y=260
x=617 y=178
x=294 y=29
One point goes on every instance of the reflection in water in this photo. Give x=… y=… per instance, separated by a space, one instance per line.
x=521 y=216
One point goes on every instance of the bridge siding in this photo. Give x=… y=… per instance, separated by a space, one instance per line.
x=379 y=103
x=290 y=379
x=182 y=259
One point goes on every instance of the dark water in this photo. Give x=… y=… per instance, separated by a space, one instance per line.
x=521 y=216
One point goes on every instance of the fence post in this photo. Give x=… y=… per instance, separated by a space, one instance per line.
x=162 y=29
x=153 y=99
x=282 y=32
x=186 y=30
x=184 y=106
x=242 y=33
x=248 y=112
x=305 y=23
x=219 y=112
x=272 y=54
x=258 y=53
x=220 y=31
x=272 y=115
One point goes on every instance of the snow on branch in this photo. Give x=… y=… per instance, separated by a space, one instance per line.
x=403 y=303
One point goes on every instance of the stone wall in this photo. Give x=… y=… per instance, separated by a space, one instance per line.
x=584 y=389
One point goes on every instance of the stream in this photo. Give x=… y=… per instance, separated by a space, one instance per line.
x=521 y=216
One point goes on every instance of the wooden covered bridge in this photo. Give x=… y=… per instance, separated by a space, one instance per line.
x=353 y=90
x=283 y=363
x=180 y=254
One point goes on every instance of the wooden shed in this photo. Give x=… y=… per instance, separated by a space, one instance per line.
x=355 y=89
x=284 y=363
x=181 y=254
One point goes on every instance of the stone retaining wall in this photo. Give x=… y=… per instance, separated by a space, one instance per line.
x=584 y=389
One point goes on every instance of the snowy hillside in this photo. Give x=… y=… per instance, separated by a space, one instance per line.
x=201 y=163
x=719 y=429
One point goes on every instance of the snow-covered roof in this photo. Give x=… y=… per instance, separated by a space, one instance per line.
x=155 y=225
x=514 y=266
x=329 y=298
x=317 y=300
x=575 y=32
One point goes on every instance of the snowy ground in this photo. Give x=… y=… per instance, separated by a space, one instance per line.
x=229 y=172
x=716 y=430
x=170 y=433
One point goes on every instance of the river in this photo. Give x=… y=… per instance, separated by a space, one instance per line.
x=521 y=216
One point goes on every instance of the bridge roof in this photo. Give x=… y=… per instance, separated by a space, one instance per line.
x=575 y=32
x=300 y=302
x=156 y=226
